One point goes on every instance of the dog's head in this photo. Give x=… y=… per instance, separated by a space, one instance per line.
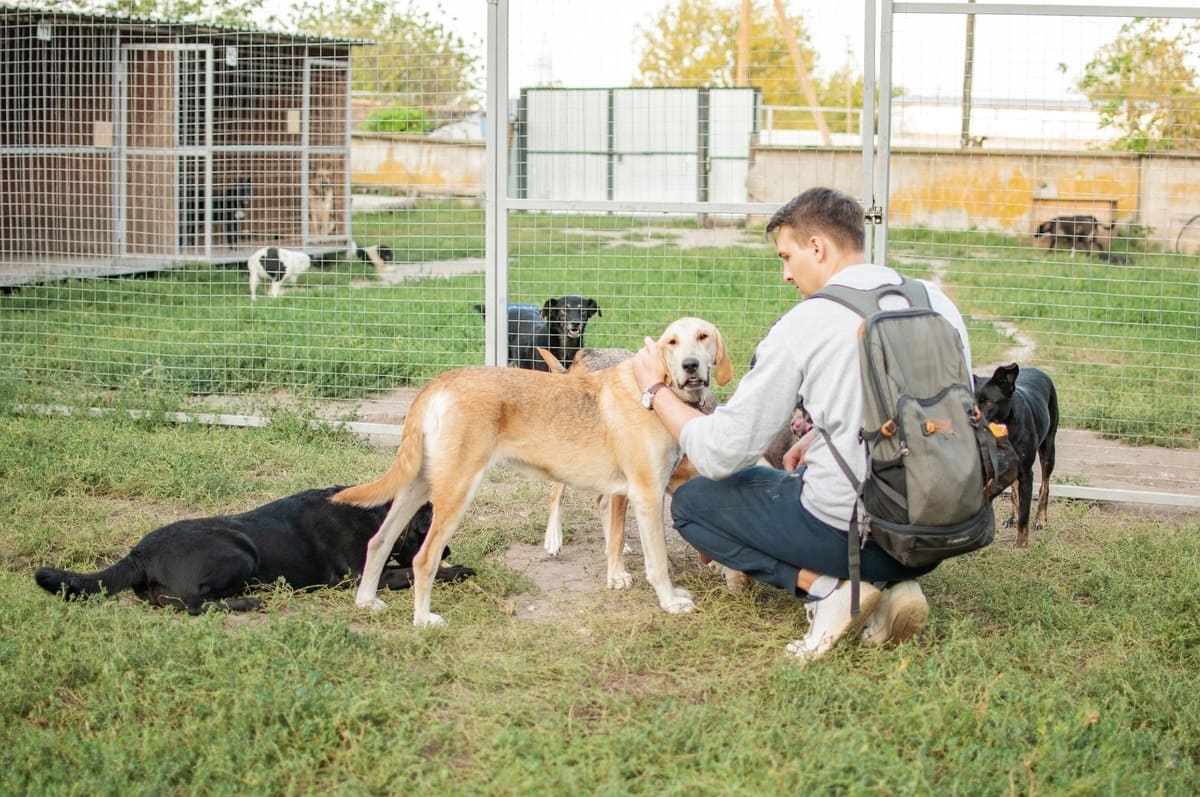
x=694 y=356
x=994 y=396
x=571 y=312
x=321 y=183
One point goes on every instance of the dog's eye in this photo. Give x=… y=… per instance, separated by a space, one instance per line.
x=702 y=336
x=672 y=342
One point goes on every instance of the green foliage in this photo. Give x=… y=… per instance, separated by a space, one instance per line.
x=695 y=42
x=1144 y=84
x=398 y=119
x=217 y=12
x=1068 y=668
x=411 y=55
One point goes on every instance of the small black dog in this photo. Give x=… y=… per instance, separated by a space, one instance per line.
x=1025 y=401
x=305 y=539
x=229 y=209
x=558 y=326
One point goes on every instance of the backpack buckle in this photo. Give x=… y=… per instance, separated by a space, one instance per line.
x=889 y=428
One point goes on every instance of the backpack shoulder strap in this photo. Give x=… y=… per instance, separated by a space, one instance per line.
x=866 y=302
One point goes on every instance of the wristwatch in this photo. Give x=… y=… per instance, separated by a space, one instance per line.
x=648 y=396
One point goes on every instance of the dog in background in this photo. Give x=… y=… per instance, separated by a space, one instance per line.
x=276 y=266
x=1024 y=400
x=590 y=431
x=304 y=539
x=230 y=209
x=1079 y=232
x=558 y=326
x=320 y=204
x=380 y=256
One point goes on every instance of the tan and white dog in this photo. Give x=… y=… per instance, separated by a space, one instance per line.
x=320 y=204
x=589 y=431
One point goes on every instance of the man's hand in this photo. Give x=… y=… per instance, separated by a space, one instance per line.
x=648 y=365
x=794 y=457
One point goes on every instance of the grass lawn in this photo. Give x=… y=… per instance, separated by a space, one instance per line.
x=1122 y=341
x=1069 y=668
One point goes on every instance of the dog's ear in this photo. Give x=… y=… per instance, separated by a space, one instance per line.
x=724 y=365
x=1007 y=375
x=593 y=307
x=668 y=377
x=556 y=367
x=550 y=306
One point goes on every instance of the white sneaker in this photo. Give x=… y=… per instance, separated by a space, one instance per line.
x=830 y=620
x=901 y=614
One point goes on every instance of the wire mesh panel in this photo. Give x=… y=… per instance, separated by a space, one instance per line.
x=149 y=163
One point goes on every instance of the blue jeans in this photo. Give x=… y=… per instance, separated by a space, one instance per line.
x=753 y=521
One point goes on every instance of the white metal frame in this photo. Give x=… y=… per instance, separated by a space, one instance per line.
x=123 y=151
x=307 y=148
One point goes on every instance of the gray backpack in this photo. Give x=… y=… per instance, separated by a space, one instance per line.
x=933 y=465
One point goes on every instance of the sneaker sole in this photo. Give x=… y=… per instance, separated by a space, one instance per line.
x=908 y=620
x=866 y=605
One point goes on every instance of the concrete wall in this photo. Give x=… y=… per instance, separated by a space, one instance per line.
x=1009 y=191
x=1001 y=191
x=418 y=165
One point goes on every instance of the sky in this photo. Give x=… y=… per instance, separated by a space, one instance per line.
x=595 y=43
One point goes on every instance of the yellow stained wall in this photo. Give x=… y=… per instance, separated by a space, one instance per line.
x=1001 y=191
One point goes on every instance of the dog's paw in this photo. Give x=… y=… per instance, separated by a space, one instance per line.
x=620 y=580
x=680 y=604
x=455 y=573
x=428 y=620
x=552 y=545
x=374 y=605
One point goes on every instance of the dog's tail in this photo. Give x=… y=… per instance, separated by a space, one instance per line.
x=405 y=468
x=120 y=576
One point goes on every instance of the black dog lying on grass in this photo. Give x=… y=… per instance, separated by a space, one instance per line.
x=305 y=539
x=1024 y=399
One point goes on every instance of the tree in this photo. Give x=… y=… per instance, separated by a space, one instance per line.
x=218 y=12
x=694 y=43
x=412 y=57
x=1141 y=83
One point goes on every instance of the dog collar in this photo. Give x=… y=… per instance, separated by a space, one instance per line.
x=648 y=396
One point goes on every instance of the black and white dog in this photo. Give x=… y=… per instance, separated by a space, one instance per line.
x=275 y=266
x=380 y=256
x=229 y=209
x=558 y=326
x=304 y=539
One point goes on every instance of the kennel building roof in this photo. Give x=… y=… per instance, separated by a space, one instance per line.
x=132 y=144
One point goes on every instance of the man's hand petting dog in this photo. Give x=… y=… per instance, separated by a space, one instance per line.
x=304 y=539
x=1024 y=399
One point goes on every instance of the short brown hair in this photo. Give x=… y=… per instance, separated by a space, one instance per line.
x=825 y=211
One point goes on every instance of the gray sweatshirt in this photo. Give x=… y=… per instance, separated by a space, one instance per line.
x=810 y=353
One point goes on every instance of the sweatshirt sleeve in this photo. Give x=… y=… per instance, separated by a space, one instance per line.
x=735 y=436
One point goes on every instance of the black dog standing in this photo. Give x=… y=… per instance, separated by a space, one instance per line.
x=305 y=539
x=558 y=326
x=1025 y=401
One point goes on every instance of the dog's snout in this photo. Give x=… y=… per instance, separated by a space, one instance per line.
x=690 y=365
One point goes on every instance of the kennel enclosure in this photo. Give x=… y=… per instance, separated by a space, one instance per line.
x=130 y=145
